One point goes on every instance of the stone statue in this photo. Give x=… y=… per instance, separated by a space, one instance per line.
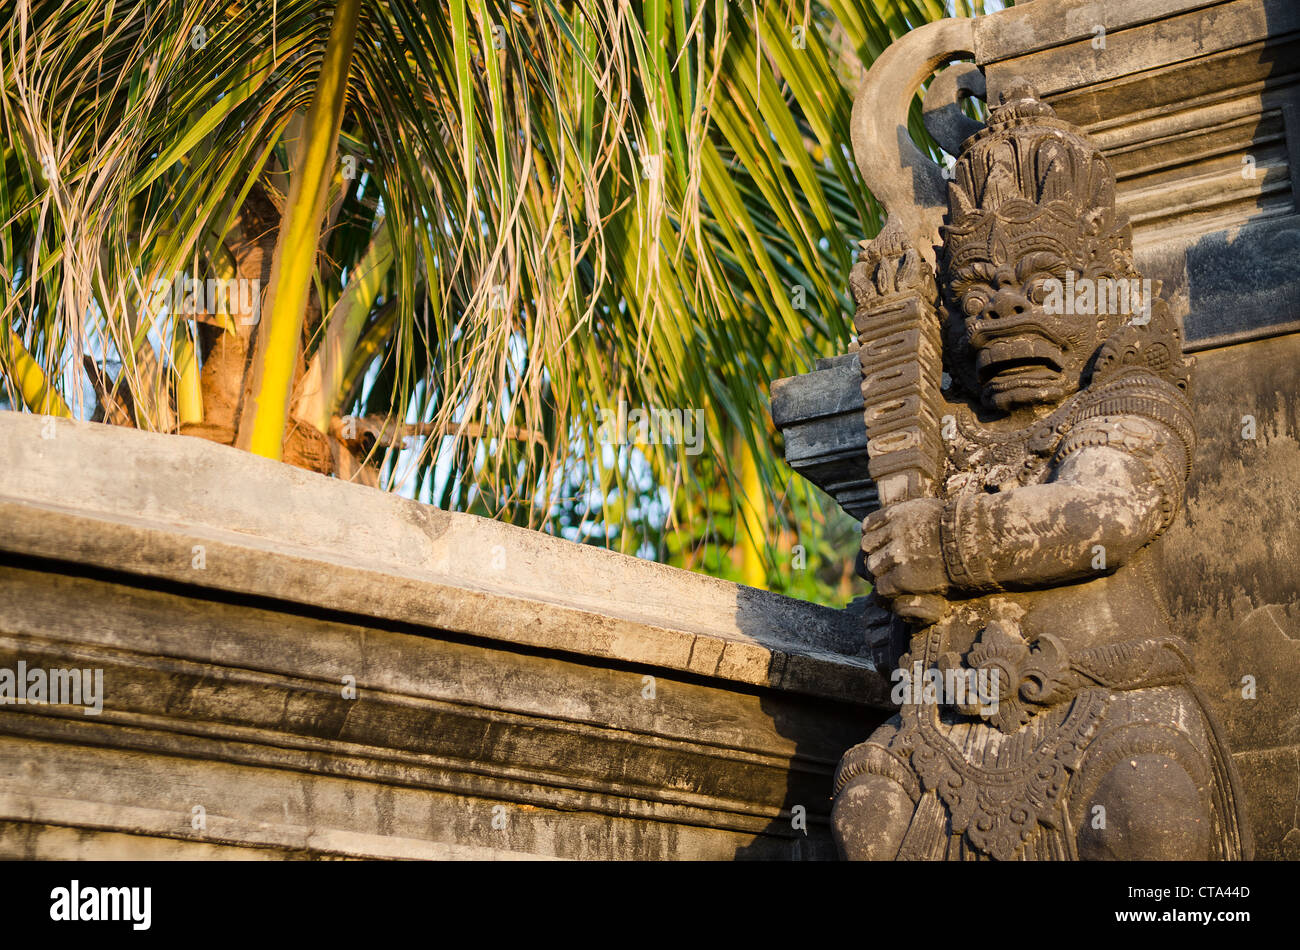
x=1048 y=705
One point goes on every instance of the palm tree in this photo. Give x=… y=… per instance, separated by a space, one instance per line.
x=437 y=245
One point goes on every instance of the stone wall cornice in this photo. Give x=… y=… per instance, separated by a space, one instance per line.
x=141 y=504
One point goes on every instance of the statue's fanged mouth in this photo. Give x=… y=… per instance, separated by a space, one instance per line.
x=1023 y=361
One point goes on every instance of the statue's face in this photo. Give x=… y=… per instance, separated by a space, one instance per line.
x=1025 y=353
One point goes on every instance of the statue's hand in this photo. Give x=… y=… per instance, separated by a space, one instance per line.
x=903 y=548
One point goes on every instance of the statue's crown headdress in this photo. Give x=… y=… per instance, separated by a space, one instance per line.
x=1026 y=165
x=1030 y=182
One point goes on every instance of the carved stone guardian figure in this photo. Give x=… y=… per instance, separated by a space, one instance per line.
x=1030 y=439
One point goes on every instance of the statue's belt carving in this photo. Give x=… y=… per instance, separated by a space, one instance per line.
x=1032 y=677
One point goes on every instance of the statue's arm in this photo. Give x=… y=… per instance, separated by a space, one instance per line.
x=1116 y=485
x=1117 y=482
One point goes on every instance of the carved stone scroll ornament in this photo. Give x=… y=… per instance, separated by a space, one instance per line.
x=1022 y=509
x=900 y=176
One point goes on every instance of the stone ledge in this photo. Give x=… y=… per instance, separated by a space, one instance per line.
x=238 y=707
x=270 y=530
x=480 y=695
x=1051 y=25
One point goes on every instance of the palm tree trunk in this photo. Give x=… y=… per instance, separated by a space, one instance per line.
x=226 y=349
x=278 y=344
x=30 y=380
x=321 y=389
x=750 y=535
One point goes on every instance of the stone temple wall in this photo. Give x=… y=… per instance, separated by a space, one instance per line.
x=298 y=667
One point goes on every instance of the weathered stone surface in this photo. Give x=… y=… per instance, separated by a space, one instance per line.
x=1021 y=509
x=1194 y=104
x=232 y=602
x=1231 y=571
x=337 y=539
x=820 y=415
x=892 y=166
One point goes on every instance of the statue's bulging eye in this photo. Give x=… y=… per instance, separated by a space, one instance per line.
x=1039 y=289
x=974 y=304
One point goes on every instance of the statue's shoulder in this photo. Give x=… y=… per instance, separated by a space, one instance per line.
x=1137 y=392
x=1146 y=415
